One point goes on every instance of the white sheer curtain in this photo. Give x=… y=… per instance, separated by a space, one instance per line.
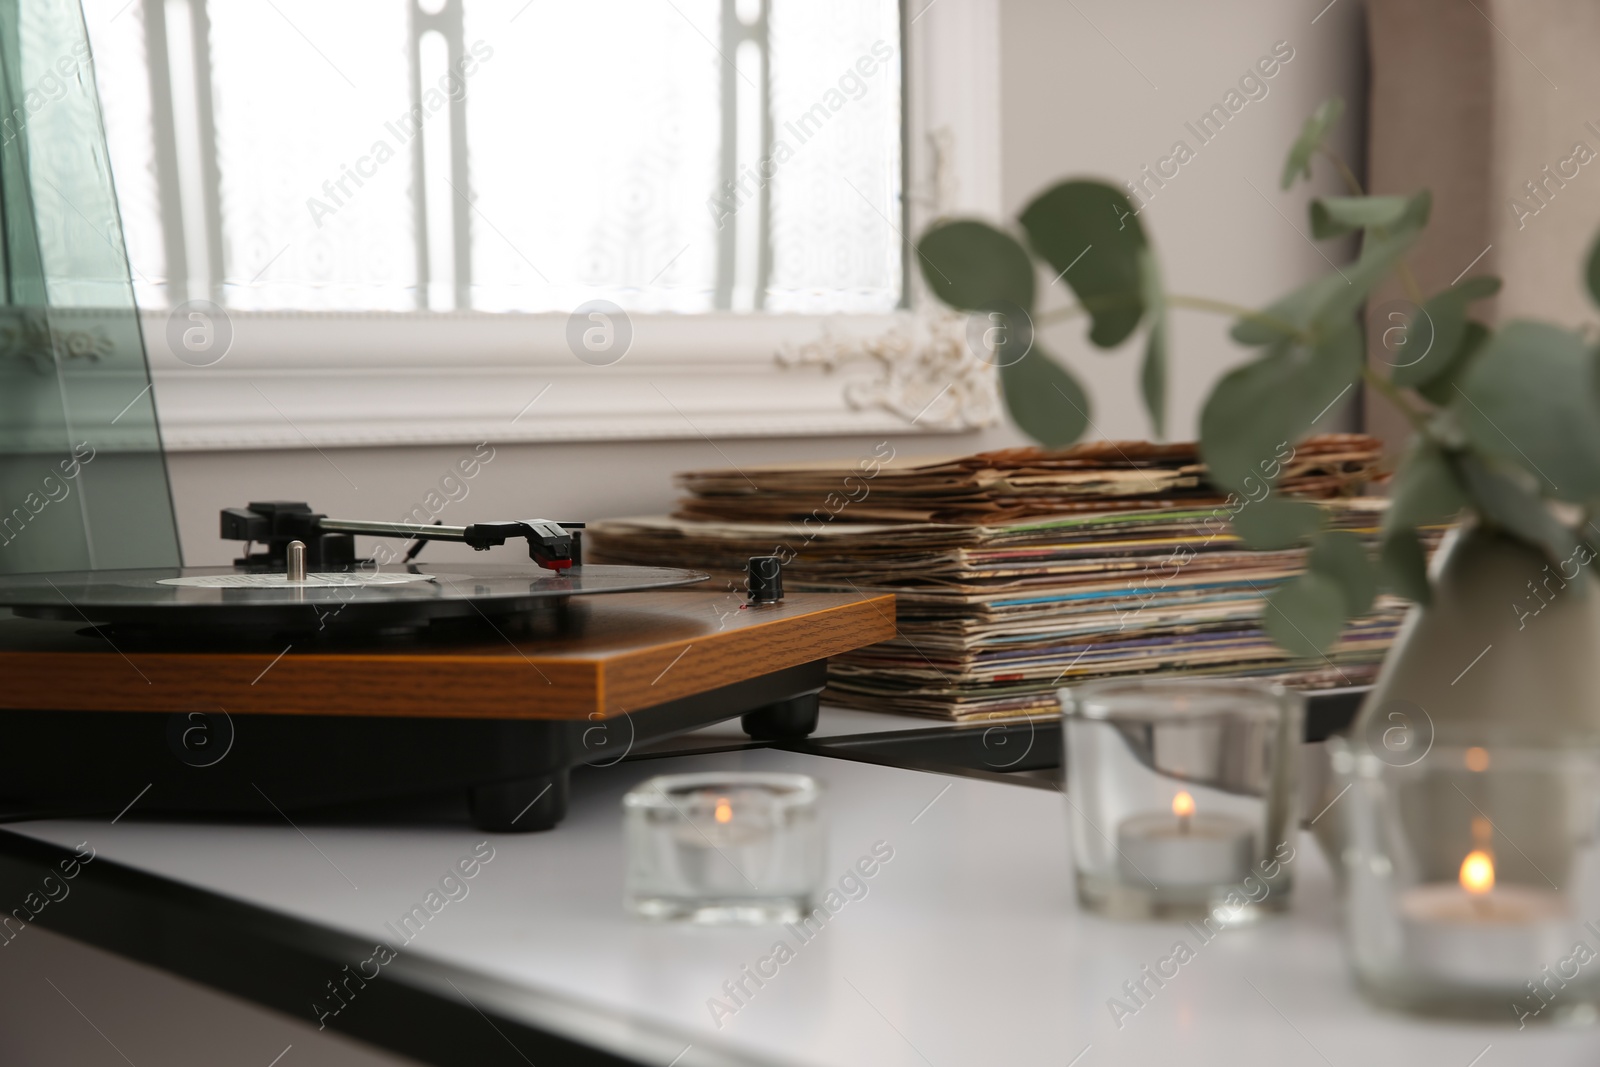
x=595 y=153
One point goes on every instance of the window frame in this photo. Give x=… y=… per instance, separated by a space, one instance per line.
x=293 y=380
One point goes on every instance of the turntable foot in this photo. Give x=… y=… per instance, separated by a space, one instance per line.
x=787 y=720
x=521 y=806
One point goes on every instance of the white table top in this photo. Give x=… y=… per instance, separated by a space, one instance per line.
x=968 y=948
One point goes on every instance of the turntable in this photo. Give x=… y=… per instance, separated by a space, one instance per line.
x=303 y=676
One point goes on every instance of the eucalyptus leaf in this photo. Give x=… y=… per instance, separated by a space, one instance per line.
x=1335 y=216
x=1591 y=271
x=1441 y=389
x=1274 y=522
x=1289 y=317
x=972 y=266
x=1515 y=508
x=1045 y=401
x=1340 y=556
x=1383 y=247
x=1305 y=616
x=1532 y=398
x=1328 y=304
x=1275 y=399
x=1446 y=331
x=1153 y=375
x=1088 y=233
x=1311 y=137
x=1426 y=490
x=1403 y=566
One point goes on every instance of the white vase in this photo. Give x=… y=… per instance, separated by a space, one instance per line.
x=1508 y=653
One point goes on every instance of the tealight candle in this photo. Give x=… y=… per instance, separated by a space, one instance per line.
x=721 y=853
x=1184 y=848
x=737 y=847
x=1477 y=933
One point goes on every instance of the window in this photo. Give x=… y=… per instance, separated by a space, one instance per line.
x=679 y=156
x=400 y=261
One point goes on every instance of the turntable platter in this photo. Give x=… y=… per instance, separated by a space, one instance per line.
x=195 y=597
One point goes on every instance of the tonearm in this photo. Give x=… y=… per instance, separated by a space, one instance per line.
x=331 y=542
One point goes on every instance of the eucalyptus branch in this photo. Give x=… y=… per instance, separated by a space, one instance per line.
x=1223 y=307
x=1414 y=292
x=1408 y=280
x=1394 y=396
x=1351 y=182
x=1071 y=311
x=1193 y=303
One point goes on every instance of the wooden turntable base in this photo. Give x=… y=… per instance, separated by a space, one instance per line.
x=501 y=709
x=604 y=656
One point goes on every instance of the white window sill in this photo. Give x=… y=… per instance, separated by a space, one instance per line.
x=349 y=380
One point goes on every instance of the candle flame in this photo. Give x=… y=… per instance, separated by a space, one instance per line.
x=724 y=810
x=1477 y=872
x=1183 y=805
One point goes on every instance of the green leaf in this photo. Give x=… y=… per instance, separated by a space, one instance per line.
x=1273 y=522
x=1045 y=401
x=972 y=266
x=1531 y=397
x=1327 y=304
x=1290 y=316
x=1403 y=566
x=1591 y=272
x=1441 y=389
x=1426 y=490
x=1340 y=556
x=1091 y=238
x=1272 y=400
x=1383 y=247
x=1335 y=216
x=1442 y=331
x=1310 y=139
x=1305 y=616
x=1515 y=508
x=1153 y=376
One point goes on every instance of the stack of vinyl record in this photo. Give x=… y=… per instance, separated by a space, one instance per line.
x=1021 y=571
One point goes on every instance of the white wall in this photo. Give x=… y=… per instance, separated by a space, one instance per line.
x=1072 y=104
x=1103 y=87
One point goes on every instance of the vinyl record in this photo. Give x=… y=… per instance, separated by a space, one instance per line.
x=235 y=597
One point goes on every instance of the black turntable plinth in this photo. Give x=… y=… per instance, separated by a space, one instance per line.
x=203 y=716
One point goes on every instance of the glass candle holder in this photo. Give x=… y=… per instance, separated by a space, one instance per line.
x=1182 y=796
x=738 y=847
x=1472 y=883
